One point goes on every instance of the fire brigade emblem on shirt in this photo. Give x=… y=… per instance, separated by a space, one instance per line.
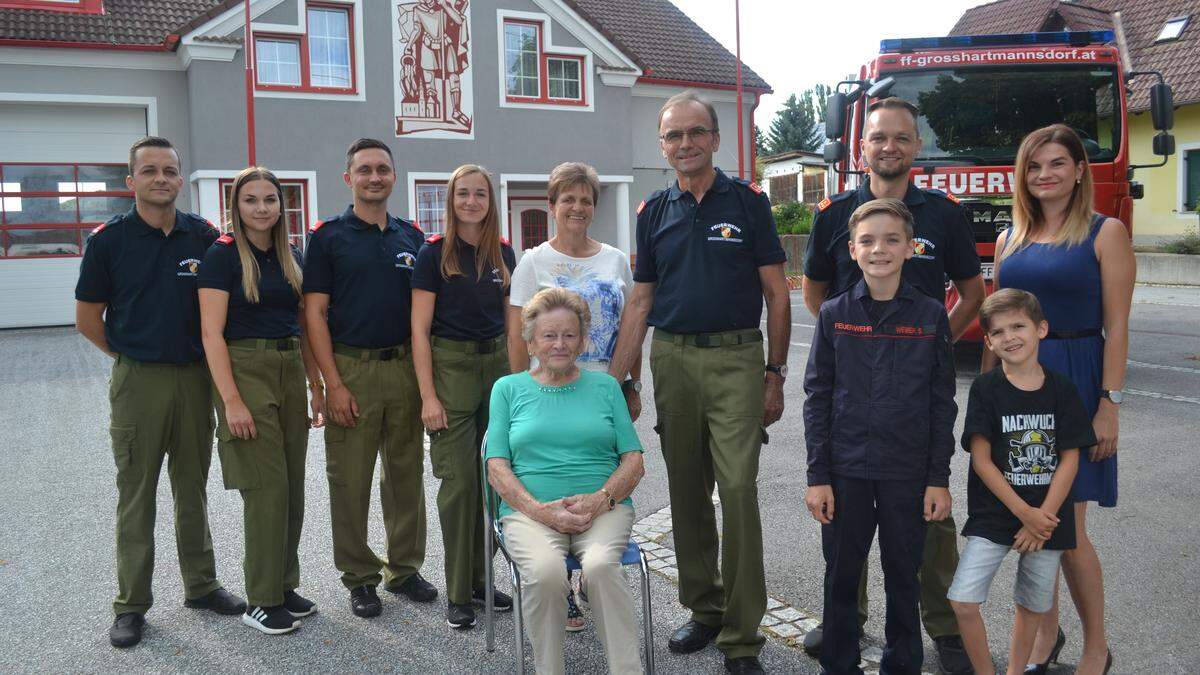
x=1031 y=458
x=432 y=66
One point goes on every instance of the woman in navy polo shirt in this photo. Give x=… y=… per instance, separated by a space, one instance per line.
x=460 y=288
x=250 y=304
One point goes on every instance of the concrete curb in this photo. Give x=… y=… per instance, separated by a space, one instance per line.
x=1168 y=269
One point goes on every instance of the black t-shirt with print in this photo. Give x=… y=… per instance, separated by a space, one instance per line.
x=1027 y=430
x=466 y=308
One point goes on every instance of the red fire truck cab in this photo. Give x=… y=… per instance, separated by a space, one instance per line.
x=978 y=97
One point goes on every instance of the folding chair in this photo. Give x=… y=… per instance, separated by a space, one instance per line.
x=491 y=503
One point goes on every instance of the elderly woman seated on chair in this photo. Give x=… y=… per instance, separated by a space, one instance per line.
x=564 y=457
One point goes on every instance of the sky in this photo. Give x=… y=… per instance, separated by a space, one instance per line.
x=795 y=44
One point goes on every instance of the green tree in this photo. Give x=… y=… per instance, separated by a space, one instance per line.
x=821 y=94
x=760 y=142
x=795 y=125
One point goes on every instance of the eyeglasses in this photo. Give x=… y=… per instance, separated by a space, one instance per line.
x=695 y=133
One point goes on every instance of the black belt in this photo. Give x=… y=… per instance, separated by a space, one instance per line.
x=1072 y=334
x=470 y=346
x=709 y=340
x=281 y=344
x=386 y=354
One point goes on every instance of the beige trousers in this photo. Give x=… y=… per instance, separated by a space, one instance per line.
x=540 y=554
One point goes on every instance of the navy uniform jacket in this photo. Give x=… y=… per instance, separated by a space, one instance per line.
x=704 y=258
x=880 y=400
x=366 y=273
x=148 y=283
x=944 y=243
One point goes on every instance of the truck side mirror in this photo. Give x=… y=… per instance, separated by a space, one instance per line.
x=881 y=88
x=835 y=116
x=834 y=151
x=1162 y=107
x=1164 y=144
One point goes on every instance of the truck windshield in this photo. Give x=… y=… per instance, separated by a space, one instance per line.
x=980 y=115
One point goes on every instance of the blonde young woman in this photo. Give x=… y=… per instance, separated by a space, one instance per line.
x=250 y=307
x=1081 y=267
x=460 y=288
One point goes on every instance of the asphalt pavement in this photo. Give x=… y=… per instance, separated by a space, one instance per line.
x=57 y=500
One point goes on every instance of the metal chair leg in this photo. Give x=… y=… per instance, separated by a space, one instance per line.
x=518 y=617
x=489 y=585
x=647 y=616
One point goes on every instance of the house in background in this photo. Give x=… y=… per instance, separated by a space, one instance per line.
x=515 y=85
x=1162 y=35
x=795 y=176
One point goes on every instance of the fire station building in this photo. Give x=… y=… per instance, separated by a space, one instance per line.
x=515 y=85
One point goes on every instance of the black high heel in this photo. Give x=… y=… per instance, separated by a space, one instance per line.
x=1044 y=667
x=1108 y=663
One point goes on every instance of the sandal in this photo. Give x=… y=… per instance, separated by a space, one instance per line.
x=575 y=620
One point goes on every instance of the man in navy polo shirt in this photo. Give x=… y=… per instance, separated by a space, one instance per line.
x=136 y=301
x=944 y=248
x=357 y=310
x=708 y=255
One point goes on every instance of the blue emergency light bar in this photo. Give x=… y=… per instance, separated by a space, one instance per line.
x=1073 y=38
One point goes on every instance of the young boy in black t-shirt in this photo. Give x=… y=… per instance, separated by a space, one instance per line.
x=1024 y=428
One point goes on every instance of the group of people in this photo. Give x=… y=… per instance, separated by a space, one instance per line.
x=381 y=335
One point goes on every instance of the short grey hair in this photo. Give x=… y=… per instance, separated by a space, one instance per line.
x=689 y=96
x=550 y=299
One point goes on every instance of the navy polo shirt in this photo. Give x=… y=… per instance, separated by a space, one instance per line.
x=365 y=271
x=275 y=314
x=148 y=284
x=467 y=307
x=704 y=258
x=944 y=243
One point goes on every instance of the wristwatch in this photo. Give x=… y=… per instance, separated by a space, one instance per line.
x=1114 y=395
x=633 y=384
x=612 y=503
x=781 y=371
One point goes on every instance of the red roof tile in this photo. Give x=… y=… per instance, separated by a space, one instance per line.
x=1178 y=60
x=124 y=22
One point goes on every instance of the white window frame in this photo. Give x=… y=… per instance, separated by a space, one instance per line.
x=299 y=29
x=343 y=43
x=415 y=177
x=258 y=57
x=548 y=47
x=1180 y=21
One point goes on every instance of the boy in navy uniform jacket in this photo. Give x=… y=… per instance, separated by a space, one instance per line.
x=879 y=424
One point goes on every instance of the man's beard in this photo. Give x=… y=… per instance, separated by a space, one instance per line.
x=889 y=175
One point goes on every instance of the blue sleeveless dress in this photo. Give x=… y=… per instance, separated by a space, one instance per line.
x=1066 y=280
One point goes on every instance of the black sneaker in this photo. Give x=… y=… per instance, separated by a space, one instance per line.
x=297 y=605
x=415 y=588
x=126 y=630
x=364 y=602
x=952 y=656
x=220 y=601
x=744 y=665
x=501 y=602
x=460 y=617
x=270 y=620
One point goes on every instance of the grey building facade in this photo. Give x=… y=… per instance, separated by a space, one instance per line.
x=515 y=85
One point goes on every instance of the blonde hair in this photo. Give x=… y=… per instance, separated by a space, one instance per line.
x=888 y=205
x=550 y=299
x=570 y=174
x=488 y=252
x=1010 y=300
x=1027 y=214
x=279 y=236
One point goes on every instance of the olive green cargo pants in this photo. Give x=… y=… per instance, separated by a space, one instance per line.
x=161 y=410
x=268 y=470
x=389 y=426
x=708 y=391
x=463 y=374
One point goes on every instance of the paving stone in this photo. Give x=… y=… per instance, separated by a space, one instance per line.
x=872 y=654
x=786 y=630
x=807 y=625
x=772 y=603
x=657 y=564
x=789 y=614
x=768 y=620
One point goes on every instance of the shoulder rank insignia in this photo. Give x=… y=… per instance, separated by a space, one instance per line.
x=824 y=204
x=756 y=187
x=641 y=206
x=316 y=226
x=225 y=239
x=433 y=239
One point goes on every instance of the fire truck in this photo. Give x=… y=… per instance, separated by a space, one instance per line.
x=978 y=97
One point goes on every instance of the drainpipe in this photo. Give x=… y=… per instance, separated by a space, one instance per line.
x=248 y=56
x=737 y=23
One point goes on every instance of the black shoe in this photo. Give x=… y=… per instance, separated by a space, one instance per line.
x=952 y=656
x=744 y=665
x=501 y=602
x=270 y=620
x=126 y=630
x=364 y=602
x=460 y=617
x=415 y=588
x=220 y=601
x=1108 y=663
x=297 y=605
x=1044 y=667
x=691 y=637
x=813 y=640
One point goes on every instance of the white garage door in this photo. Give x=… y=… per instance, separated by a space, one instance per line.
x=62 y=172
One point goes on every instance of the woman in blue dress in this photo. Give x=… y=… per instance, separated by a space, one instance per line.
x=1080 y=265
